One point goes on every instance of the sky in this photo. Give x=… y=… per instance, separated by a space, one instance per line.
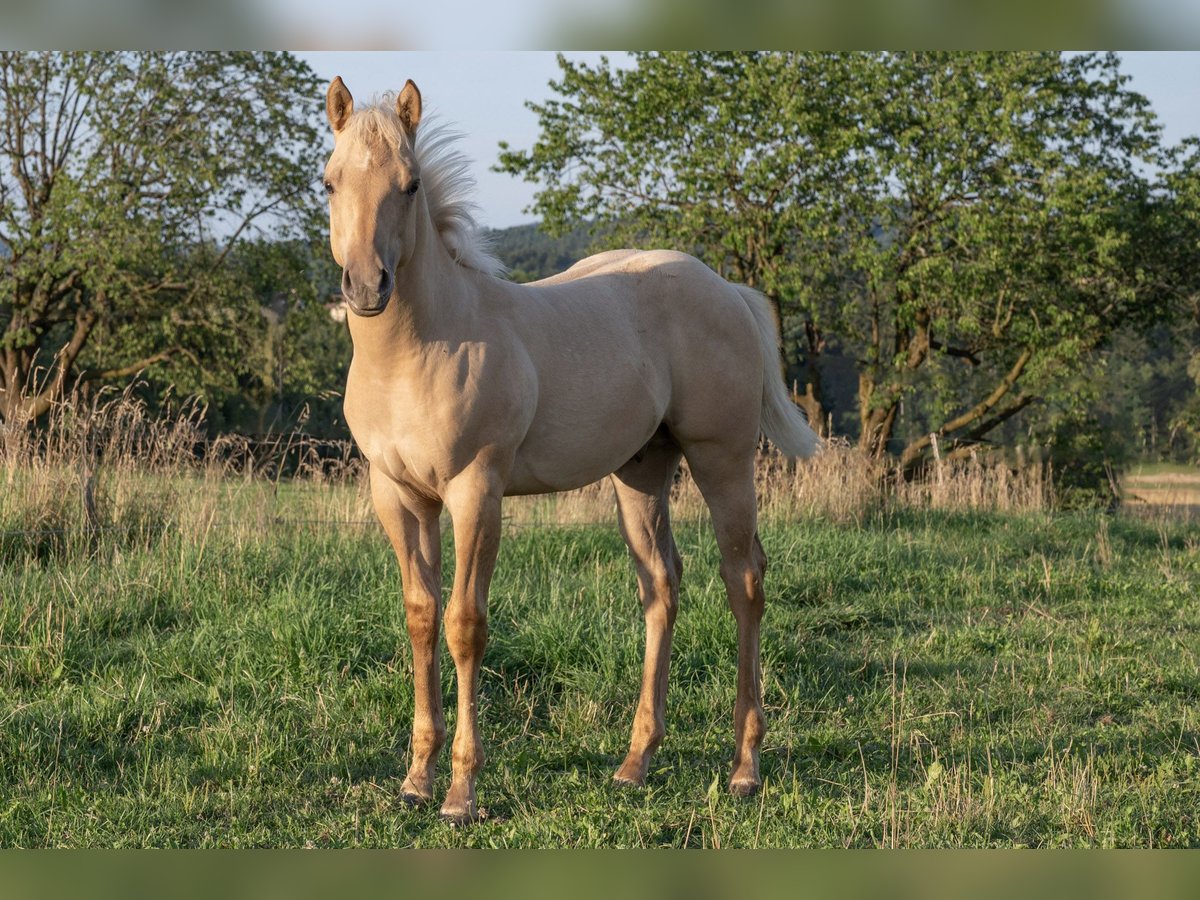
x=483 y=94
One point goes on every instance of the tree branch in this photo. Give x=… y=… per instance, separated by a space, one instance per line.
x=85 y=321
x=1005 y=385
x=1000 y=418
x=136 y=367
x=968 y=355
x=913 y=451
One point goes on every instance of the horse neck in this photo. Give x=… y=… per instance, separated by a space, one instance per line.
x=431 y=290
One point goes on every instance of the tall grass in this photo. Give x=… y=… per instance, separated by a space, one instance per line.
x=109 y=471
x=841 y=485
x=109 y=468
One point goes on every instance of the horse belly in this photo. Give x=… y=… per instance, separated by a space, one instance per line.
x=572 y=445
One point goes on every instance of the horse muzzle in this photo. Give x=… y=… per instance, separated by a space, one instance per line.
x=367 y=298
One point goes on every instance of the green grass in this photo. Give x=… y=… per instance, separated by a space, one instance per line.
x=930 y=679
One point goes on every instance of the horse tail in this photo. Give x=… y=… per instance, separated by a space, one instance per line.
x=782 y=421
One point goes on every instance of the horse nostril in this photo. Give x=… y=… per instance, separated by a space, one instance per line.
x=359 y=292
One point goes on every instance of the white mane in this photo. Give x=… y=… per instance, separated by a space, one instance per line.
x=445 y=177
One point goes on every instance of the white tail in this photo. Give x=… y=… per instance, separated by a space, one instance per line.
x=782 y=421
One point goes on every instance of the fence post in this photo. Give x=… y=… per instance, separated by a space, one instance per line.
x=937 y=457
x=88 y=479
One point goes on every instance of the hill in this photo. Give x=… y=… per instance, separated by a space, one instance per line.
x=531 y=254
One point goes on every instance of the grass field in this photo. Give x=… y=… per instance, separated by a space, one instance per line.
x=932 y=678
x=1164 y=485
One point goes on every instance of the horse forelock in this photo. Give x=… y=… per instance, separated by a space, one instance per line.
x=445 y=177
x=378 y=128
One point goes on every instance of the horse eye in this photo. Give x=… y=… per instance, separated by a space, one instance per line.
x=412 y=188
x=329 y=187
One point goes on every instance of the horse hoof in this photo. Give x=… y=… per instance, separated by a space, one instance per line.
x=412 y=795
x=632 y=771
x=458 y=810
x=456 y=819
x=744 y=789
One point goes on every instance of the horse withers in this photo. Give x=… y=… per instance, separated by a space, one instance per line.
x=466 y=388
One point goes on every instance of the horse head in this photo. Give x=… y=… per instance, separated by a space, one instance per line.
x=373 y=184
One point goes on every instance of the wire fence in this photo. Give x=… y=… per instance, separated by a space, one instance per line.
x=90 y=474
x=164 y=526
x=275 y=522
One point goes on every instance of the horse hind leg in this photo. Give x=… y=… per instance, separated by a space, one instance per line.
x=643 y=487
x=726 y=481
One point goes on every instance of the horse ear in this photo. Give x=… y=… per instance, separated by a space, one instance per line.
x=408 y=106
x=338 y=104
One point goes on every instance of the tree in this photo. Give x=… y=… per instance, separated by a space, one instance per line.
x=727 y=156
x=1169 y=251
x=297 y=369
x=129 y=181
x=1006 y=188
x=958 y=224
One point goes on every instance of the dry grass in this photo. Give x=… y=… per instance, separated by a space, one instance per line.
x=841 y=485
x=110 y=465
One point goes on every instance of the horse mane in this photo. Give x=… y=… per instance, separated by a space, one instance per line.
x=445 y=177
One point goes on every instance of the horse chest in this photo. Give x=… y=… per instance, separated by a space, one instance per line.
x=421 y=431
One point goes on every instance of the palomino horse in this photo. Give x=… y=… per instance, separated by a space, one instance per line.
x=466 y=388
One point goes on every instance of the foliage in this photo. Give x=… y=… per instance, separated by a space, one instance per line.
x=1137 y=396
x=292 y=363
x=131 y=184
x=967 y=228
x=1175 y=233
x=688 y=150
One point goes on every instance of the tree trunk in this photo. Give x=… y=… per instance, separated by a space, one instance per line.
x=876 y=419
x=6 y=380
x=777 y=317
x=877 y=427
x=28 y=393
x=15 y=378
x=812 y=400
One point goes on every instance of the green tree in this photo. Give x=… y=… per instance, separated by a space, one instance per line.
x=128 y=183
x=727 y=156
x=1173 y=247
x=1007 y=187
x=959 y=224
x=297 y=370
x=531 y=255
x=279 y=360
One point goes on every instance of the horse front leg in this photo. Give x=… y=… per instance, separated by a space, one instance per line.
x=411 y=523
x=474 y=503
